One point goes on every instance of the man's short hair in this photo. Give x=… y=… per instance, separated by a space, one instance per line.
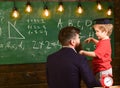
x=67 y=33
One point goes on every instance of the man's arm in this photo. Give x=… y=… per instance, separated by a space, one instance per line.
x=87 y=74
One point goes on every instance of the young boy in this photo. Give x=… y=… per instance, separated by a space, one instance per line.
x=102 y=54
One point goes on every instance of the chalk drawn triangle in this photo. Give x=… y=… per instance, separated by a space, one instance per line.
x=13 y=32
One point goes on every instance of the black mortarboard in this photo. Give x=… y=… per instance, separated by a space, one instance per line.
x=103 y=21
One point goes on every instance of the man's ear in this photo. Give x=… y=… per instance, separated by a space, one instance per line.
x=72 y=42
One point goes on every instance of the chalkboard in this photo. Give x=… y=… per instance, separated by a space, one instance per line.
x=32 y=37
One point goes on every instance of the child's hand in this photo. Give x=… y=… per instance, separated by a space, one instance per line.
x=81 y=52
x=88 y=40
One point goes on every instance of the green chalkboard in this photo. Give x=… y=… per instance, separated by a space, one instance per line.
x=32 y=37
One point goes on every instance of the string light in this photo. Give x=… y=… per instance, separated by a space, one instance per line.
x=46 y=11
x=15 y=12
x=99 y=6
x=60 y=7
x=79 y=9
x=28 y=8
x=109 y=12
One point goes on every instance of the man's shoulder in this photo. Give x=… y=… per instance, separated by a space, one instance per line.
x=78 y=58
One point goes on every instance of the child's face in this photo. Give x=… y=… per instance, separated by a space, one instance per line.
x=99 y=33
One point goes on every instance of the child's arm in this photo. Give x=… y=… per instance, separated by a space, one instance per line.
x=88 y=40
x=88 y=53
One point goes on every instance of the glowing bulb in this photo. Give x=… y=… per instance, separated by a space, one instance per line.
x=99 y=6
x=109 y=12
x=80 y=10
x=60 y=8
x=15 y=13
x=28 y=9
x=46 y=12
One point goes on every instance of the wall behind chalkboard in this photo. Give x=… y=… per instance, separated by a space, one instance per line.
x=32 y=37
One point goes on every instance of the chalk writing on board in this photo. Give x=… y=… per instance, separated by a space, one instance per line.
x=0 y=31
x=35 y=20
x=1 y=18
x=37 y=29
x=12 y=46
x=36 y=26
x=60 y=24
x=74 y=22
x=89 y=49
x=47 y=44
x=36 y=45
x=13 y=27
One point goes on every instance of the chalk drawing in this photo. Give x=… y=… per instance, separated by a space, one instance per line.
x=12 y=27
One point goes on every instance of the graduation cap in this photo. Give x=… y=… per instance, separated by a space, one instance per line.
x=103 y=21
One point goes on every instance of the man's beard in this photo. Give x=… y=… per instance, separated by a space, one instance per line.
x=78 y=47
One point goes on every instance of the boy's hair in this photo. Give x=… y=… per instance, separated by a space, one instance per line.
x=67 y=33
x=105 y=27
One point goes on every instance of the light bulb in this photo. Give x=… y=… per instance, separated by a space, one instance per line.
x=15 y=13
x=28 y=7
x=109 y=12
x=99 y=6
x=60 y=8
x=46 y=12
x=79 y=10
